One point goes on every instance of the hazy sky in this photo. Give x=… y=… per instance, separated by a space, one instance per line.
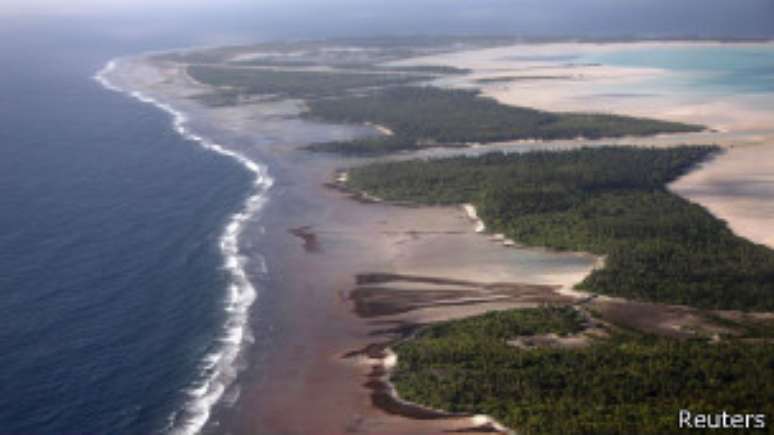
x=70 y=7
x=224 y=21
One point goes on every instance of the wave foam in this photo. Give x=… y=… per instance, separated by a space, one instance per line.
x=219 y=368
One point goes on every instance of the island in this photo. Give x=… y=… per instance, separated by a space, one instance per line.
x=445 y=262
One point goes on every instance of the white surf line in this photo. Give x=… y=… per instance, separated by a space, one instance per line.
x=218 y=368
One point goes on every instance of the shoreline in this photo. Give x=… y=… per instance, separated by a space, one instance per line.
x=317 y=324
x=364 y=230
x=241 y=293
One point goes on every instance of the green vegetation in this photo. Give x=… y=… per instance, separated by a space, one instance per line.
x=744 y=328
x=285 y=62
x=498 y=326
x=292 y=84
x=506 y=79
x=360 y=88
x=628 y=383
x=276 y=62
x=209 y=56
x=431 y=69
x=611 y=201
x=430 y=116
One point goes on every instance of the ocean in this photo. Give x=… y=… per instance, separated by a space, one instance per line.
x=122 y=301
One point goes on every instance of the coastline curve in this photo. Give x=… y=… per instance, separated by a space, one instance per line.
x=219 y=368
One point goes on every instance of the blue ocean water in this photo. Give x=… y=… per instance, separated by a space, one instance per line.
x=111 y=276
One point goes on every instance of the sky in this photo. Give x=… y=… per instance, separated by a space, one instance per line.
x=100 y=7
x=212 y=22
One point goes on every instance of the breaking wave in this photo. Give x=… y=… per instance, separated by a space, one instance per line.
x=219 y=368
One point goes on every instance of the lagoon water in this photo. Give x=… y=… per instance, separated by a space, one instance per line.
x=717 y=69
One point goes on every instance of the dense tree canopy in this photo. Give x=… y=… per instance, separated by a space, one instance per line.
x=291 y=84
x=611 y=201
x=431 y=116
x=628 y=383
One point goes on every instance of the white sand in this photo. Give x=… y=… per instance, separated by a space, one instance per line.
x=470 y=209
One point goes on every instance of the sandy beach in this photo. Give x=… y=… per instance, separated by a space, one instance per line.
x=346 y=275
